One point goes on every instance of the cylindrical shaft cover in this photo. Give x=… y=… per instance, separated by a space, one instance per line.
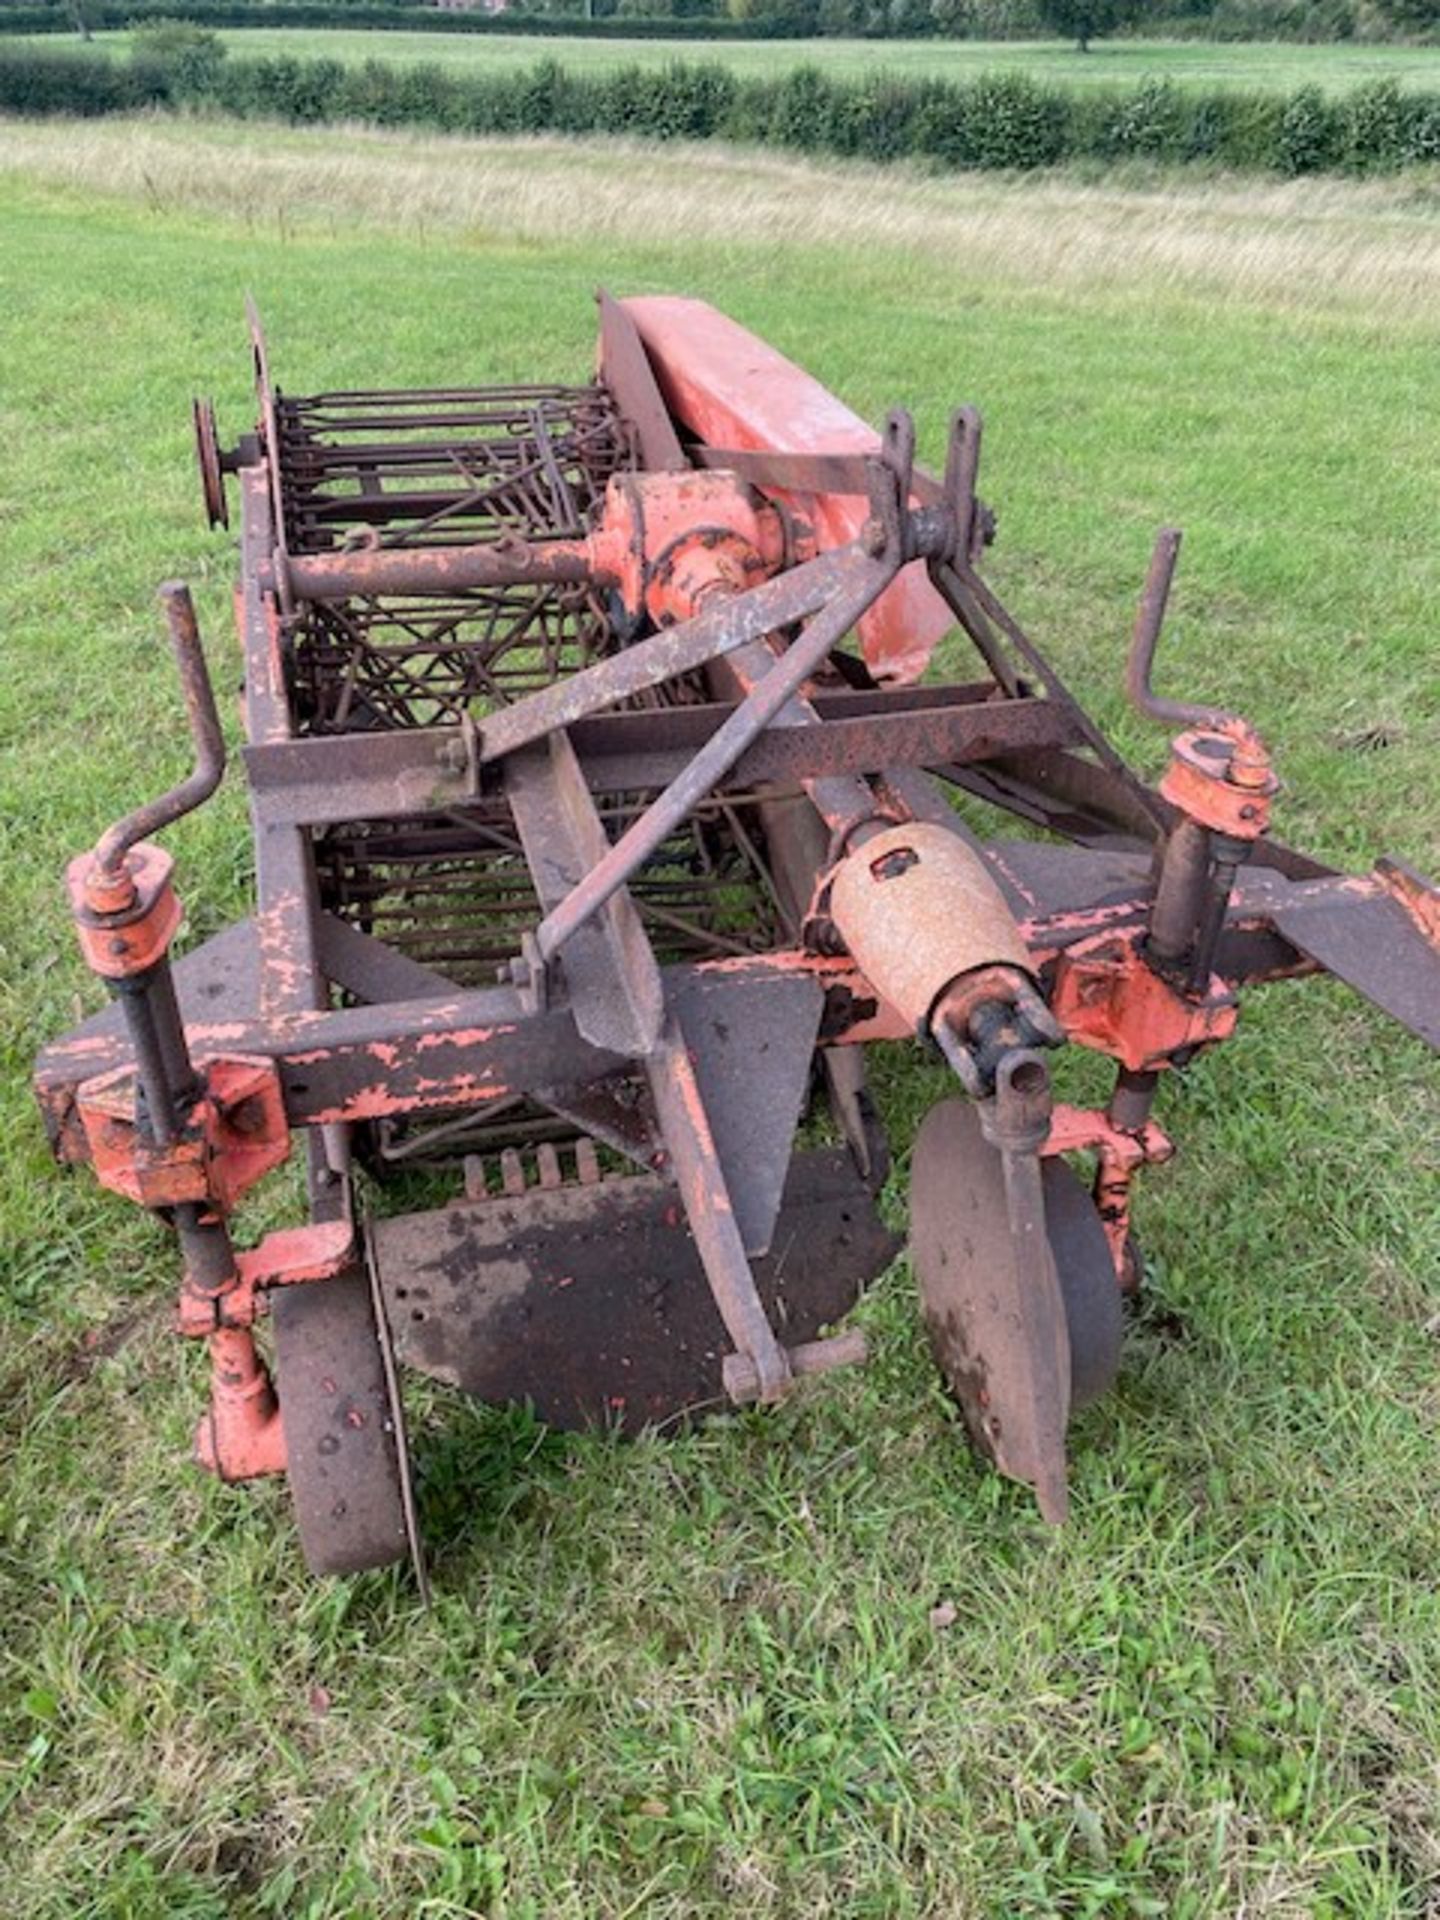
x=917 y=907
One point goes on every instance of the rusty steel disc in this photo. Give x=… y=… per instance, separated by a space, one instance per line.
x=969 y=1279
x=344 y=1432
x=207 y=455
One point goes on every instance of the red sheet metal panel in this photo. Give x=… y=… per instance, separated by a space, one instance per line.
x=728 y=389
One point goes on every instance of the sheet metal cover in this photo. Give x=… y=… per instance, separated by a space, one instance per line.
x=727 y=388
x=752 y=1045
x=1374 y=947
x=589 y=1302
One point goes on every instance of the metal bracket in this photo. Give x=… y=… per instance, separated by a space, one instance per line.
x=291 y=1256
x=1107 y=997
x=232 y=1136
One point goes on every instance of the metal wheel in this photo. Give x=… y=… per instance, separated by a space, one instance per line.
x=207 y=454
x=1088 y=1284
x=965 y=1265
x=344 y=1433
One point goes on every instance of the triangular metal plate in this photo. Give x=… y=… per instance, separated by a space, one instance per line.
x=752 y=1043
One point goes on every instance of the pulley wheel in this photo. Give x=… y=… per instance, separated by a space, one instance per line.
x=207 y=454
x=1088 y=1283
x=344 y=1431
x=965 y=1264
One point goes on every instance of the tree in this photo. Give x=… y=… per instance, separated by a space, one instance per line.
x=1412 y=16
x=189 y=56
x=1085 y=20
x=797 y=17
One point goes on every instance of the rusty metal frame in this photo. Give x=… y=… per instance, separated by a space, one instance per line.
x=504 y=731
x=491 y=1045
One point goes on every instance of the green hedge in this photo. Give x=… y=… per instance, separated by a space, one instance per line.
x=111 y=15
x=994 y=120
x=37 y=81
x=701 y=20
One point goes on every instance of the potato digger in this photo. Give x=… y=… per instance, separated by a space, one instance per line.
x=602 y=818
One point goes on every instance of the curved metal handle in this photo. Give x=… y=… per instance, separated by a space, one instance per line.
x=1149 y=617
x=113 y=845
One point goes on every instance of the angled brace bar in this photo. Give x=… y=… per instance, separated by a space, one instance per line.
x=715 y=758
x=979 y=613
x=678 y=650
x=763 y=1371
x=618 y=1001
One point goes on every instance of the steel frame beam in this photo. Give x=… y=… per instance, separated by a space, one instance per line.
x=486 y=1038
x=336 y=778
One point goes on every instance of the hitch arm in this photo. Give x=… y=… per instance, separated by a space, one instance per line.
x=1029 y=1386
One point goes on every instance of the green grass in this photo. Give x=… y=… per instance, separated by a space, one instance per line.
x=1188 y=62
x=701 y=1676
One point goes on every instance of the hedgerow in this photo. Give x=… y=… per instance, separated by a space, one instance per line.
x=995 y=120
x=355 y=15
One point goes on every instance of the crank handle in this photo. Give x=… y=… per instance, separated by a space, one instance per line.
x=1149 y=618
x=108 y=868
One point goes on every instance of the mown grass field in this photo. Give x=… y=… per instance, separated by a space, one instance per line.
x=705 y=1675
x=1187 y=62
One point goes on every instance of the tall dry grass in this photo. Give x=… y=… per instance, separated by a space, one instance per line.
x=1310 y=246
